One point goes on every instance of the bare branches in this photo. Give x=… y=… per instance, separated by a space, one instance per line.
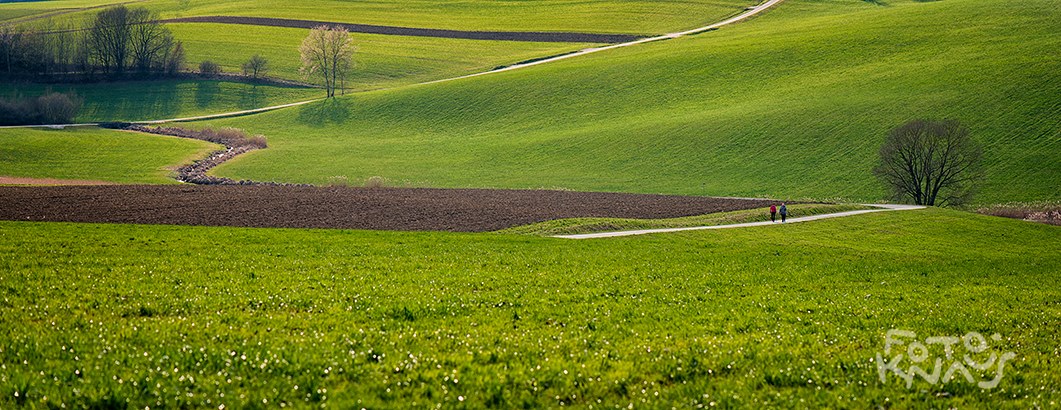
x=327 y=52
x=256 y=66
x=930 y=162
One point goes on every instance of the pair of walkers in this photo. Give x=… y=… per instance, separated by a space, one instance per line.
x=773 y=213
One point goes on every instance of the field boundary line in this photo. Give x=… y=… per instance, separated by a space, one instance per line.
x=880 y=208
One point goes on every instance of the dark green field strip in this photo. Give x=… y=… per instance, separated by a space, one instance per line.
x=538 y=37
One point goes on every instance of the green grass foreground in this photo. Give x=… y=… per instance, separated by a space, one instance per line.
x=571 y=226
x=96 y=154
x=171 y=317
x=794 y=103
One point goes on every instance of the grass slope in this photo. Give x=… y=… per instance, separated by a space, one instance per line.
x=380 y=61
x=95 y=154
x=610 y=16
x=135 y=316
x=165 y=99
x=792 y=104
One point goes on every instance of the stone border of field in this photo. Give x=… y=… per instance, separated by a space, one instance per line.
x=400 y=209
x=529 y=36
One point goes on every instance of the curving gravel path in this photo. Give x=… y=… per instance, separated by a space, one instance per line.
x=882 y=208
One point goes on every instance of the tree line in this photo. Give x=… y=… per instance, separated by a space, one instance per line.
x=117 y=42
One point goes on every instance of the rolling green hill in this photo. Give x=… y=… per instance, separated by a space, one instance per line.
x=791 y=104
x=610 y=16
x=96 y=154
x=381 y=61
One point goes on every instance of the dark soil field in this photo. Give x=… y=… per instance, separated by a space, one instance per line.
x=544 y=37
x=405 y=209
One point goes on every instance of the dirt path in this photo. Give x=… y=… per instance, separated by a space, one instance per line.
x=882 y=208
x=538 y=37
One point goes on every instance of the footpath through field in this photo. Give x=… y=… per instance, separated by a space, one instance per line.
x=750 y=12
x=882 y=208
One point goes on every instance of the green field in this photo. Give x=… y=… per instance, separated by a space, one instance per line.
x=792 y=104
x=165 y=99
x=170 y=317
x=95 y=154
x=611 y=16
x=21 y=10
x=380 y=61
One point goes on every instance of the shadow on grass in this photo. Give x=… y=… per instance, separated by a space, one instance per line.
x=206 y=92
x=252 y=98
x=330 y=111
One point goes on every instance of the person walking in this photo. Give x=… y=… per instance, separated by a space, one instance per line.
x=784 y=212
x=773 y=213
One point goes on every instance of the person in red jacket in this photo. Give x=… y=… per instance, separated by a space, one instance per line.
x=773 y=213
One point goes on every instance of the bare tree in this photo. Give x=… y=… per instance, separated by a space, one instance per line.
x=150 y=41
x=256 y=66
x=327 y=52
x=109 y=38
x=175 y=59
x=930 y=162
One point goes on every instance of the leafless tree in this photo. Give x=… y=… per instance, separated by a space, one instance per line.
x=175 y=59
x=930 y=162
x=328 y=53
x=109 y=38
x=256 y=66
x=150 y=41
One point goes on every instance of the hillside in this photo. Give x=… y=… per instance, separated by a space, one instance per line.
x=791 y=104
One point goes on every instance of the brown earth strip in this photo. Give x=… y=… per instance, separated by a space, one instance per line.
x=403 y=209
x=540 y=37
x=48 y=181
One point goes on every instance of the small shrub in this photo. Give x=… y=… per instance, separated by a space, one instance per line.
x=57 y=108
x=209 y=68
x=51 y=108
x=257 y=141
x=375 y=182
x=256 y=67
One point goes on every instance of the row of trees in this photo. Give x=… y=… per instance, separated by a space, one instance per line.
x=119 y=40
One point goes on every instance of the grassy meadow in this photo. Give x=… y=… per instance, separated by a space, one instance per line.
x=165 y=99
x=380 y=61
x=794 y=103
x=96 y=154
x=610 y=16
x=175 y=317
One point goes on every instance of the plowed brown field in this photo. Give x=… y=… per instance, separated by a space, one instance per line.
x=407 y=209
